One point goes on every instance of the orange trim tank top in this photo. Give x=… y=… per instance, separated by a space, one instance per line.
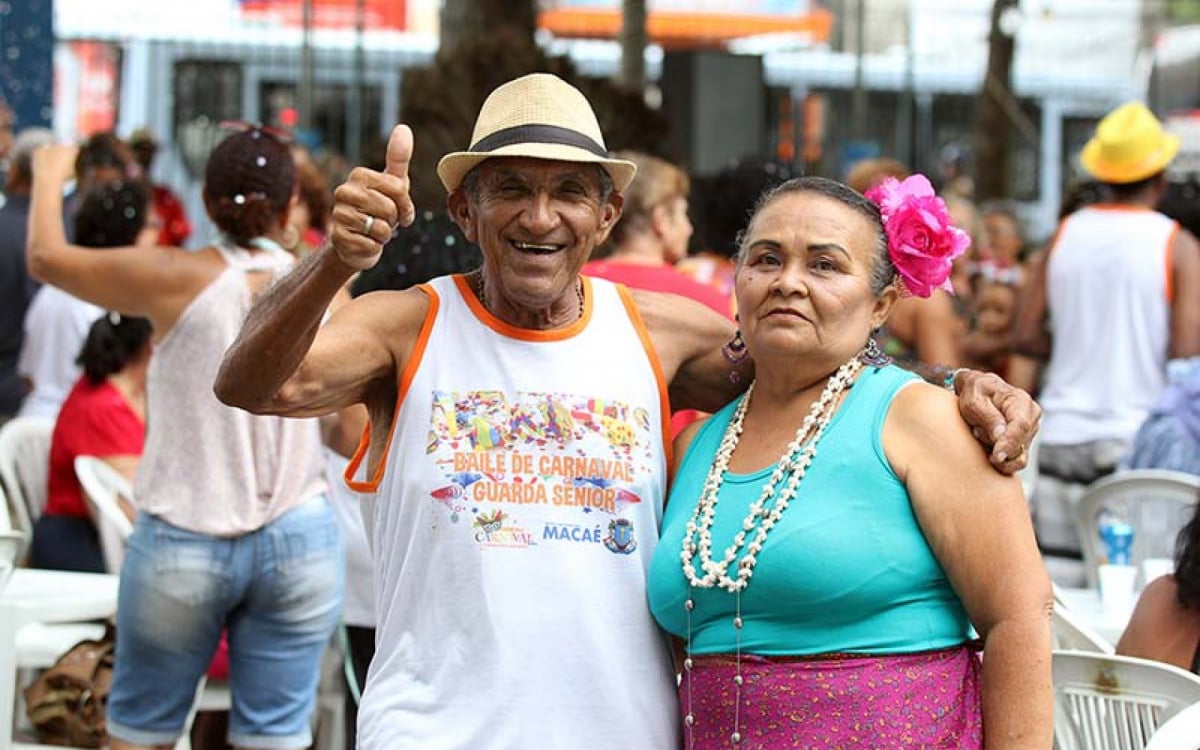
x=1108 y=288
x=512 y=527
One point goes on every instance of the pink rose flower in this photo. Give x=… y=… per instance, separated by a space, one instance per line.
x=922 y=241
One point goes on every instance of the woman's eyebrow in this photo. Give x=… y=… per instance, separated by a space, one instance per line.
x=830 y=246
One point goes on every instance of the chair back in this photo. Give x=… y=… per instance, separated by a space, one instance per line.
x=1109 y=702
x=1070 y=633
x=102 y=486
x=25 y=466
x=12 y=544
x=6 y=510
x=1157 y=503
x=1180 y=732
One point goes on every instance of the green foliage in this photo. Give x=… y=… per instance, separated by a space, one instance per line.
x=1183 y=11
x=440 y=102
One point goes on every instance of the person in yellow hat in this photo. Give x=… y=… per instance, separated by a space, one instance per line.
x=1113 y=299
x=527 y=628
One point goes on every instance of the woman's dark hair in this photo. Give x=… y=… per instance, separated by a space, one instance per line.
x=99 y=151
x=247 y=184
x=1187 y=562
x=315 y=194
x=112 y=214
x=111 y=345
x=882 y=271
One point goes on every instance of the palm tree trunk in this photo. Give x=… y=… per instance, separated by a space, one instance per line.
x=633 y=44
x=992 y=121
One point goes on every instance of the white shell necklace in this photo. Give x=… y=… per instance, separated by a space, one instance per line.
x=697 y=540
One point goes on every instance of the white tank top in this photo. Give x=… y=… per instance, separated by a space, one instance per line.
x=1108 y=294
x=208 y=467
x=515 y=516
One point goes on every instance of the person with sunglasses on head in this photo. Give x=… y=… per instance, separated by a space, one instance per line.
x=515 y=464
x=234 y=530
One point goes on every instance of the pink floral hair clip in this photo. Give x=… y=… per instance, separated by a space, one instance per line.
x=922 y=240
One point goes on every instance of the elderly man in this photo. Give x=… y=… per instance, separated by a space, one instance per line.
x=516 y=462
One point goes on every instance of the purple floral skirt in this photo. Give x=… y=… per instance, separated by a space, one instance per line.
x=925 y=700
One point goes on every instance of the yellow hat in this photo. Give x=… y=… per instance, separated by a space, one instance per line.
x=1129 y=145
x=539 y=116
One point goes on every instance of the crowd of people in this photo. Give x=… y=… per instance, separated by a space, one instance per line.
x=453 y=430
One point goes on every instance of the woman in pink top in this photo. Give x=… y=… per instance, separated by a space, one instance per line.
x=233 y=530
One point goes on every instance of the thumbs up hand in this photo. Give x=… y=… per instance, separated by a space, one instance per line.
x=370 y=205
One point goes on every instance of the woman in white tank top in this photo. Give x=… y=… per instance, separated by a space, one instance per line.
x=233 y=532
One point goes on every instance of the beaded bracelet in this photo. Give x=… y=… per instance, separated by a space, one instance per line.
x=948 y=381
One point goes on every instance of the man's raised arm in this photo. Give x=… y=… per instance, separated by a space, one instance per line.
x=284 y=361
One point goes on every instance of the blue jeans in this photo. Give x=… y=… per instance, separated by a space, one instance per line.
x=277 y=590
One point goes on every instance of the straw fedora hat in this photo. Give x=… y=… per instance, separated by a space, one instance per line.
x=1129 y=145
x=539 y=116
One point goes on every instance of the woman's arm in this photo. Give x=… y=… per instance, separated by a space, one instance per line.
x=152 y=282
x=977 y=524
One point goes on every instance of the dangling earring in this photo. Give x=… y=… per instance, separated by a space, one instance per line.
x=735 y=353
x=874 y=356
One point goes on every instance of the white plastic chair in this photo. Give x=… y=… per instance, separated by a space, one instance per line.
x=1156 y=502
x=12 y=544
x=1071 y=634
x=1109 y=702
x=25 y=465
x=1180 y=732
x=102 y=486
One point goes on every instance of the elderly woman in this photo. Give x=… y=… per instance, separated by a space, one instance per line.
x=233 y=529
x=860 y=492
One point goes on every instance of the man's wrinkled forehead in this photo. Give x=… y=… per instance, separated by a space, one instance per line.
x=528 y=170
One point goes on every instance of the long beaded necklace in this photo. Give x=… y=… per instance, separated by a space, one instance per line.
x=761 y=518
x=478 y=284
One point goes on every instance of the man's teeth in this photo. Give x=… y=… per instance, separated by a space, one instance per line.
x=532 y=246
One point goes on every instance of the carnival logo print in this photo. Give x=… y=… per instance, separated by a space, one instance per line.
x=620 y=536
x=496 y=529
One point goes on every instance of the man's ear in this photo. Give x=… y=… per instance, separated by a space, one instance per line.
x=610 y=214
x=460 y=209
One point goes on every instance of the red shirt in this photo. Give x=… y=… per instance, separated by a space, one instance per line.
x=662 y=278
x=175 y=226
x=95 y=420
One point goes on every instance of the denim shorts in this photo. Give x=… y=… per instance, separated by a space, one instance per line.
x=277 y=590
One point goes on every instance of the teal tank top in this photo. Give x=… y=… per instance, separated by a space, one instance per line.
x=846 y=570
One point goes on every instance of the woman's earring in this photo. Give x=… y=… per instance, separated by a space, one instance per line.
x=735 y=353
x=874 y=356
